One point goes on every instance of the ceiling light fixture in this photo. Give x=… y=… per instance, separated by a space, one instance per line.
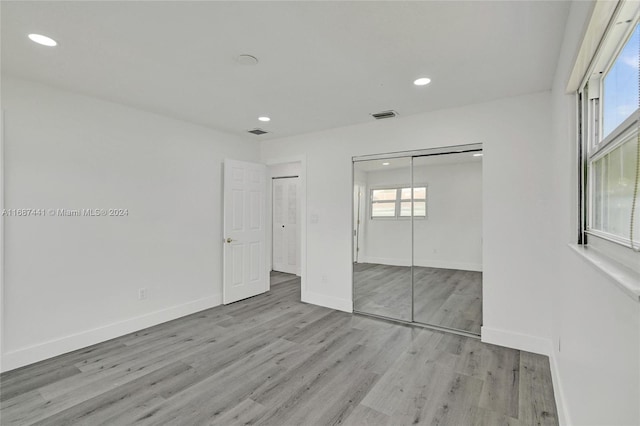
x=385 y=164
x=245 y=59
x=264 y=118
x=43 y=40
x=422 y=81
x=478 y=154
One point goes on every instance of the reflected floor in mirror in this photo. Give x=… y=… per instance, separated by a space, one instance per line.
x=443 y=297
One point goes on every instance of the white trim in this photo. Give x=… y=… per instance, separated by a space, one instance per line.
x=426 y=263
x=625 y=278
x=512 y=339
x=564 y=418
x=385 y=261
x=600 y=18
x=39 y=352
x=2 y=248
x=614 y=38
x=624 y=133
x=612 y=238
x=344 y=305
x=450 y=149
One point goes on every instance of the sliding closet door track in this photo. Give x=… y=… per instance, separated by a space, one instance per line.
x=430 y=327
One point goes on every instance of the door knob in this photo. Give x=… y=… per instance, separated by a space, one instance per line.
x=229 y=240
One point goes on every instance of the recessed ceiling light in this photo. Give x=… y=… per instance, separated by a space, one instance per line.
x=264 y=118
x=422 y=81
x=43 y=40
x=478 y=154
x=385 y=164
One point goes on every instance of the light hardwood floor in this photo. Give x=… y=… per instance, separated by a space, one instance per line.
x=444 y=297
x=273 y=360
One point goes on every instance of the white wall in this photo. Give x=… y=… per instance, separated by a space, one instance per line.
x=285 y=169
x=73 y=281
x=596 y=326
x=450 y=236
x=516 y=180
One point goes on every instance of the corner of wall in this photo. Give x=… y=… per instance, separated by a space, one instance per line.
x=536 y=345
x=558 y=392
x=338 y=304
x=510 y=339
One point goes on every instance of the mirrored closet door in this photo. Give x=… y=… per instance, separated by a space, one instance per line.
x=447 y=242
x=382 y=230
x=417 y=235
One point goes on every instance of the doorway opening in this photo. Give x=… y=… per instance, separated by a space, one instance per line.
x=286 y=221
x=285 y=226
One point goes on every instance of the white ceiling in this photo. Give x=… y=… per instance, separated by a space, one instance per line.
x=322 y=64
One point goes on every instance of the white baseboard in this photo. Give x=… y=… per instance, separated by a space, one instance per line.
x=384 y=261
x=327 y=301
x=510 y=339
x=426 y=263
x=31 y=354
x=443 y=264
x=558 y=391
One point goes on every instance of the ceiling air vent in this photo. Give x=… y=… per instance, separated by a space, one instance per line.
x=257 y=132
x=384 y=114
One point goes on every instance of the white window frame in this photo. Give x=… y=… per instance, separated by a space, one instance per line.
x=397 y=202
x=593 y=147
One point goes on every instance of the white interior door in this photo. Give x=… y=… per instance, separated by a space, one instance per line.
x=286 y=225
x=245 y=236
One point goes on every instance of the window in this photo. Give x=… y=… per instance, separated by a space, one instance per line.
x=620 y=86
x=610 y=120
x=396 y=202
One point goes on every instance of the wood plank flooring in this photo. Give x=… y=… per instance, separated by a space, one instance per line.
x=272 y=360
x=444 y=297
